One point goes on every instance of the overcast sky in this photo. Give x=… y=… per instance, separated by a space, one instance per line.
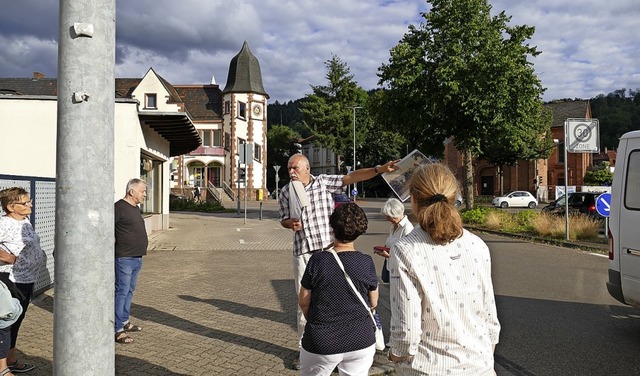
x=589 y=47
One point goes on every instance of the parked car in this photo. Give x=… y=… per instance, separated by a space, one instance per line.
x=340 y=199
x=522 y=199
x=579 y=203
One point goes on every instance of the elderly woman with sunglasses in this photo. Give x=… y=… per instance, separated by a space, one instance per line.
x=21 y=257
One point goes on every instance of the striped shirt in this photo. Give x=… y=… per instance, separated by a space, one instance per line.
x=316 y=232
x=443 y=310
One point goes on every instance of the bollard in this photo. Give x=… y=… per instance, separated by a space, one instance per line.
x=261 y=210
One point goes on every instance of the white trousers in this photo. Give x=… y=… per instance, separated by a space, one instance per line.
x=354 y=363
x=299 y=265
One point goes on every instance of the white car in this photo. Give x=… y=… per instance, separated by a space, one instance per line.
x=522 y=199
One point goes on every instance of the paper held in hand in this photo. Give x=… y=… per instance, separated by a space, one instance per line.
x=399 y=180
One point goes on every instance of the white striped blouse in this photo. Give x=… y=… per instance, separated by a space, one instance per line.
x=443 y=310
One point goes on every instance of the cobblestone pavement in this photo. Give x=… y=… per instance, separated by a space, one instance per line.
x=215 y=297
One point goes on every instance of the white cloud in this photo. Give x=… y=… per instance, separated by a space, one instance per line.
x=587 y=48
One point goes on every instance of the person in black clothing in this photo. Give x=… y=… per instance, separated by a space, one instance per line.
x=196 y=193
x=131 y=244
x=339 y=331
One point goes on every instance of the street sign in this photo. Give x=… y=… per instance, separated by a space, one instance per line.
x=603 y=204
x=245 y=151
x=583 y=135
x=354 y=192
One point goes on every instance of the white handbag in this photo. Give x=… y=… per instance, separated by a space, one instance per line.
x=379 y=336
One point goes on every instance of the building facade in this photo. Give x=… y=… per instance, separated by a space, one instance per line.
x=225 y=119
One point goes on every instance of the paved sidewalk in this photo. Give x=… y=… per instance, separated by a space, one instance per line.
x=215 y=297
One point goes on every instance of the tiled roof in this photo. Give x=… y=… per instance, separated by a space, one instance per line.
x=126 y=86
x=29 y=86
x=568 y=109
x=244 y=73
x=204 y=102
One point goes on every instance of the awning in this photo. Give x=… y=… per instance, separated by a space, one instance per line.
x=175 y=127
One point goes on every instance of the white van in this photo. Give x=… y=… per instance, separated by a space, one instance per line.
x=624 y=233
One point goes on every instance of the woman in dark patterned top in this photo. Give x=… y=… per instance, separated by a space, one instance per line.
x=339 y=331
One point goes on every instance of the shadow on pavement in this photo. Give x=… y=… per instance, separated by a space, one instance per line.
x=154 y=315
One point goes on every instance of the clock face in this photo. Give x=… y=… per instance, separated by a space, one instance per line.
x=257 y=110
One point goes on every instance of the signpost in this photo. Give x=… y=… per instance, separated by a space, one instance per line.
x=603 y=207
x=580 y=136
x=277 y=168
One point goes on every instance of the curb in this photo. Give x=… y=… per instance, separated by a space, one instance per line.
x=601 y=248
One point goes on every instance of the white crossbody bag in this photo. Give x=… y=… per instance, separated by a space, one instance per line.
x=379 y=336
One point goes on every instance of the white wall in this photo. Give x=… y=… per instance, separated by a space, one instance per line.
x=28 y=143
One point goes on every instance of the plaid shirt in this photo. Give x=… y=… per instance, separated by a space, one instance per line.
x=316 y=232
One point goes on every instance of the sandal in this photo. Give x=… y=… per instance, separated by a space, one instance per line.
x=5 y=371
x=129 y=327
x=122 y=337
x=24 y=367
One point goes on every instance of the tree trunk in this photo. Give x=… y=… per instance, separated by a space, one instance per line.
x=501 y=179
x=468 y=178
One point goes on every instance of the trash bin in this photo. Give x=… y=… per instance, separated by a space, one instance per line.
x=259 y=194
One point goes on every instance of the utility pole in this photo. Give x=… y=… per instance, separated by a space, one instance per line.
x=84 y=264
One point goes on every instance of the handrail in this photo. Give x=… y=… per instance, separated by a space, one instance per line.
x=229 y=191
x=214 y=191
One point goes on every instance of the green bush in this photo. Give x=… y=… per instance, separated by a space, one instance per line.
x=190 y=205
x=476 y=216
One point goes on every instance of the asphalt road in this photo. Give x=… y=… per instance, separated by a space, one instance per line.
x=557 y=317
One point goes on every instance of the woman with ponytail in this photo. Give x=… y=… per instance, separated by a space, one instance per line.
x=443 y=312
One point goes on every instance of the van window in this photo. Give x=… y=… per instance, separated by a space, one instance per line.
x=632 y=190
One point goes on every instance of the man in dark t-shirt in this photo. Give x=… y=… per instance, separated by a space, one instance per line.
x=131 y=244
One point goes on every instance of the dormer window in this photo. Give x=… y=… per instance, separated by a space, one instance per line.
x=151 y=101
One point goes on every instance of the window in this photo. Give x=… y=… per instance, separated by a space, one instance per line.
x=561 y=153
x=632 y=188
x=242 y=110
x=206 y=137
x=227 y=107
x=217 y=137
x=150 y=101
x=227 y=140
x=257 y=152
x=151 y=173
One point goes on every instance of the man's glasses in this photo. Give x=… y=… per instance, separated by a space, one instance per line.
x=24 y=203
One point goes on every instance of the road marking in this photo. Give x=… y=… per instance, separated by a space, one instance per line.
x=244 y=242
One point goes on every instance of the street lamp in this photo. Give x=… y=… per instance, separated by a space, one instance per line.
x=354 y=142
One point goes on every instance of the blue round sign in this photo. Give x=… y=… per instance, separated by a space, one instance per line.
x=354 y=192
x=603 y=204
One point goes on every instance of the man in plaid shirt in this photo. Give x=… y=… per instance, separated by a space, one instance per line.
x=312 y=232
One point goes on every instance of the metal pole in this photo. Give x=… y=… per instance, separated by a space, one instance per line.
x=261 y=210
x=354 y=146
x=238 y=177
x=246 y=172
x=566 y=185
x=84 y=263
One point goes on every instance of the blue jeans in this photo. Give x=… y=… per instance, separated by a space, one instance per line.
x=127 y=270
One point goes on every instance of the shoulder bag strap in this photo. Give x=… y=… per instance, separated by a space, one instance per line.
x=350 y=282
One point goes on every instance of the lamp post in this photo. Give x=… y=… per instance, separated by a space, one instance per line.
x=354 y=143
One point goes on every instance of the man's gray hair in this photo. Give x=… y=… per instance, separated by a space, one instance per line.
x=393 y=208
x=131 y=184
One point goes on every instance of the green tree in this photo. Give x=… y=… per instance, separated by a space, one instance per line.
x=522 y=141
x=280 y=140
x=328 y=112
x=600 y=175
x=462 y=73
